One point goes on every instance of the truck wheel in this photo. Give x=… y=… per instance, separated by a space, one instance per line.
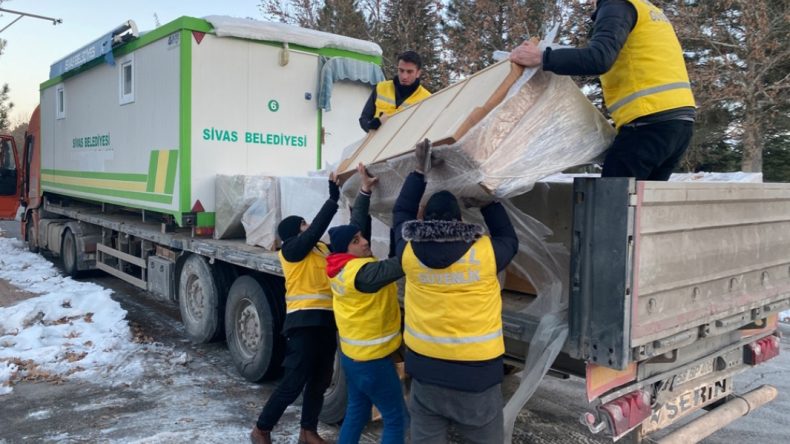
x=30 y=233
x=335 y=397
x=200 y=300
x=68 y=253
x=252 y=328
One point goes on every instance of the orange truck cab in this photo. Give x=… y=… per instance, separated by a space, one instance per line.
x=20 y=176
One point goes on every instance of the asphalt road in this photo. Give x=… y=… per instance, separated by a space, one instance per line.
x=192 y=393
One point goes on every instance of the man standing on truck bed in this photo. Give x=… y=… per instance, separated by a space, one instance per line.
x=365 y=301
x=453 y=311
x=634 y=50
x=309 y=323
x=389 y=95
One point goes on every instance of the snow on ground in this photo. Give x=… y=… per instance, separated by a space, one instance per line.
x=71 y=330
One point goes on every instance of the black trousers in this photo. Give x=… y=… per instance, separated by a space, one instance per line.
x=310 y=356
x=648 y=152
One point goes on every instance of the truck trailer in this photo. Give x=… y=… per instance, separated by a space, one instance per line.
x=673 y=287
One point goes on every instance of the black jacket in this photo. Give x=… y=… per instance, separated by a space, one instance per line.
x=296 y=249
x=401 y=93
x=613 y=22
x=373 y=276
x=471 y=376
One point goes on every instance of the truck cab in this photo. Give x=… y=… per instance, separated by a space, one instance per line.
x=10 y=178
x=20 y=177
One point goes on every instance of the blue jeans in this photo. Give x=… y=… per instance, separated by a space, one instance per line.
x=372 y=383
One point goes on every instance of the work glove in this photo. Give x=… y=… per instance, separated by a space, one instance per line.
x=374 y=123
x=422 y=152
x=334 y=189
x=475 y=202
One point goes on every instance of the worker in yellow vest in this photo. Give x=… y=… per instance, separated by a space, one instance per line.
x=365 y=301
x=634 y=50
x=309 y=323
x=393 y=95
x=453 y=311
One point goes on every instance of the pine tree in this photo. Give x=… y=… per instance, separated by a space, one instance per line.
x=342 y=17
x=5 y=105
x=414 y=25
x=5 y=108
x=475 y=29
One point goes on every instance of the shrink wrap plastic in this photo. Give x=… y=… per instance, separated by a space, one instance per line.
x=233 y=195
x=304 y=196
x=544 y=126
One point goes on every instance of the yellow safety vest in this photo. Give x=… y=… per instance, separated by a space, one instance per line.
x=454 y=313
x=368 y=323
x=385 y=98
x=306 y=282
x=649 y=75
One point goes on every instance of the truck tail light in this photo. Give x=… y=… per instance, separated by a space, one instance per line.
x=626 y=412
x=761 y=350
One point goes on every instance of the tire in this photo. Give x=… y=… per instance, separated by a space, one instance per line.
x=201 y=301
x=336 y=396
x=252 y=328
x=68 y=253
x=30 y=233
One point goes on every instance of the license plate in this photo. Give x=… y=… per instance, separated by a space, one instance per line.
x=691 y=373
x=687 y=401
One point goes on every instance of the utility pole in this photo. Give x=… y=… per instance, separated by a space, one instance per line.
x=54 y=21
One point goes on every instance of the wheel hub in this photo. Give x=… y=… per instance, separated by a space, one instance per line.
x=248 y=326
x=195 y=299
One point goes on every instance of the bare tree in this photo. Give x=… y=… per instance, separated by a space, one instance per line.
x=302 y=13
x=739 y=61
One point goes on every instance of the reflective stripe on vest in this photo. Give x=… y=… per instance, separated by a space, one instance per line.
x=452 y=340
x=368 y=323
x=306 y=283
x=376 y=341
x=649 y=75
x=385 y=98
x=454 y=313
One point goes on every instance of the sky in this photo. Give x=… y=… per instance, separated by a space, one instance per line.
x=34 y=44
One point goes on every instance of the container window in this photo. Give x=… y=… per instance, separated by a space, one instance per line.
x=126 y=78
x=60 y=102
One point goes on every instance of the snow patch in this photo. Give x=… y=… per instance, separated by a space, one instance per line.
x=73 y=329
x=41 y=414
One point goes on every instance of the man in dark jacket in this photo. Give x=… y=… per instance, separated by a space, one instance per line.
x=309 y=323
x=389 y=95
x=634 y=50
x=365 y=302
x=453 y=311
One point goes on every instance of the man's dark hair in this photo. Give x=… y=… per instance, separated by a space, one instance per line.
x=411 y=57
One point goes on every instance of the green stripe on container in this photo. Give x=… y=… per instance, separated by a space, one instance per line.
x=152 y=164
x=319 y=146
x=133 y=195
x=185 y=123
x=126 y=177
x=172 y=162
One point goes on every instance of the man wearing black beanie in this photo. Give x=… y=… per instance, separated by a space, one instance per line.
x=365 y=301
x=309 y=323
x=453 y=311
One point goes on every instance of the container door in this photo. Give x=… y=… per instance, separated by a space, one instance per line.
x=10 y=179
